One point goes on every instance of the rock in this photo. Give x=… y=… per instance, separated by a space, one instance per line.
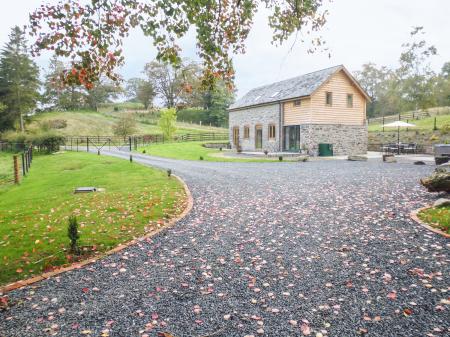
x=441 y=202
x=419 y=162
x=390 y=160
x=357 y=158
x=439 y=181
x=303 y=158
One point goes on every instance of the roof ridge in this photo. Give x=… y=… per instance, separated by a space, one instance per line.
x=291 y=78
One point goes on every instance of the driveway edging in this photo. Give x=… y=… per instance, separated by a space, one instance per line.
x=414 y=215
x=78 y=265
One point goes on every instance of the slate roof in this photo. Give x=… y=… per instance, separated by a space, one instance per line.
x=299 y=86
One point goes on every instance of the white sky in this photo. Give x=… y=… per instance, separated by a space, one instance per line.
x=358 y=31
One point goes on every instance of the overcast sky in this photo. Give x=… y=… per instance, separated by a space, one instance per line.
x=357 y=31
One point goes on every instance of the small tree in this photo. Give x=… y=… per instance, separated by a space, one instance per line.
x=125 y=126
x=167 y=122
x=72 y=233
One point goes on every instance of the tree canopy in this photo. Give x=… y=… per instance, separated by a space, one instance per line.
x=91 y=33
x=19 y=80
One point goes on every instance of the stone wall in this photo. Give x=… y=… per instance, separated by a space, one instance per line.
x=346 y=139
x=263 y=115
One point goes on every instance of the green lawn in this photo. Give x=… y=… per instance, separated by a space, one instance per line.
x=193 y=151
x=421 y=124
x=438 y=217
x=33 y=215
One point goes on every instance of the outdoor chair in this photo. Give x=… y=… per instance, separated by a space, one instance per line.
x=410 y=148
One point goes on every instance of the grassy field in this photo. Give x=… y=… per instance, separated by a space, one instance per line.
x=6 y=168
x=90 y=123
x=193 y=151
x=421 y=124
x=438 y=217
x=33 y=215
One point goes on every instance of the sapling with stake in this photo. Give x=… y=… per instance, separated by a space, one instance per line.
x=73 y=235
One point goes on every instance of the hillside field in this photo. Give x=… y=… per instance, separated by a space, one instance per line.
x=91 y=123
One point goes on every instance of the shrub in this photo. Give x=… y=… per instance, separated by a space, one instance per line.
x=116 y=108
x=280 y=158
x=72 y=233
x=445 y=129
x=52 y=124
x=125 y=126
x=201 y=157
x=434 y=138
x=48 y=141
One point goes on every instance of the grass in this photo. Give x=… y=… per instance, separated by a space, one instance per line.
x=6 y=168
x=34 y=214
x=91 y=123
x=421 y=124
x=438 y=217
x=193 y=151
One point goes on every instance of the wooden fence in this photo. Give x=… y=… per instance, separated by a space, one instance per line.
x=129 y=143
x=20 y=162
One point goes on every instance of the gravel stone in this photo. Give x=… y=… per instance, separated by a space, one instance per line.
x=277 y=227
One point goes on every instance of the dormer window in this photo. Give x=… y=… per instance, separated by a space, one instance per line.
x=297 y=102
x=329 y=98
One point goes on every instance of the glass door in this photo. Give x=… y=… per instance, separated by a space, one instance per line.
x=292 y=138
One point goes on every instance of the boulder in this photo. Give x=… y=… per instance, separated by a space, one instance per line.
x=390 y=159
x=441 y=202
x=357 y=158
x=439 y=181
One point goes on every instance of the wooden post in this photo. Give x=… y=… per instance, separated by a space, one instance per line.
x=16 y=169
x=87 y=144
x=129 y=144
x=77 y=144
x=24 y=170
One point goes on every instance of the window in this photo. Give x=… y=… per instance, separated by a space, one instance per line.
x=349 y=100
x=271 y=131
x=297 y=102
x=246 y=132
x=329 y=98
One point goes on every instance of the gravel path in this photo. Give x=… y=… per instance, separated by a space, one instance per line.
x=322 y=248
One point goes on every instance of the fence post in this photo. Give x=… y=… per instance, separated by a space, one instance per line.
x=16 y=169
x=129 y=142
x=77 y=144
x=87 y=144
x=435 y=126
x=24 y=170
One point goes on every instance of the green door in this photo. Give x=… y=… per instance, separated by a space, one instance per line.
x=325 y=150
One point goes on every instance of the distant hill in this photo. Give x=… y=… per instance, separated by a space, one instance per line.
x=91 y=123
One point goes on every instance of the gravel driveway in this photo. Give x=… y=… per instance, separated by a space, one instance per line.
x=322 y=248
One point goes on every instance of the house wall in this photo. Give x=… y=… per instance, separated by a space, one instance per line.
x=262 y=115
x=296 y=115
x=338 y=113
x=346 y=139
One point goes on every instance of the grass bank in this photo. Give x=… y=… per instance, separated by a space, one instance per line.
x=425 y=124
x=193 y=151
x=437 y=217
x=33 y=215
x=91 y=123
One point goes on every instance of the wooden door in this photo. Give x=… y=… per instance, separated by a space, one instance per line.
x=258 y=137
x=236 y=136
